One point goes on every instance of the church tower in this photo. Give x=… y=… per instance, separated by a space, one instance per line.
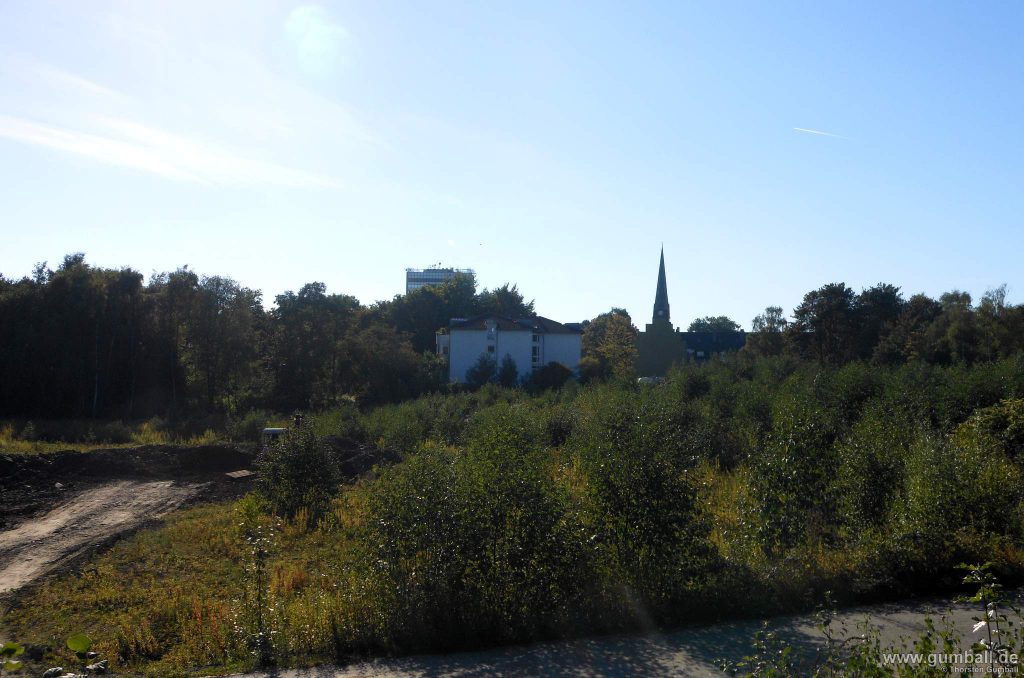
x=659 y=346
x=661 y=311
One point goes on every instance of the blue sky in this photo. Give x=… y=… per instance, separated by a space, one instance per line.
x=551 y=145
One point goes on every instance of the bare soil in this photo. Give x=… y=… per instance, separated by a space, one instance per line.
x=34 y=484
x=85 y=521
x=59 y=508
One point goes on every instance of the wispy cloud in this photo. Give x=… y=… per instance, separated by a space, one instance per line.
x=186 y=101
x=818 y=132
x=129 y=144
x=30 y=71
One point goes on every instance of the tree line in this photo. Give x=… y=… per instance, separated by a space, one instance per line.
x=835 y=325
x=85 y=341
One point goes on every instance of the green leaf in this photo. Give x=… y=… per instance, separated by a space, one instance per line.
x=11 y=650
x=79 y=643
x=11 y=665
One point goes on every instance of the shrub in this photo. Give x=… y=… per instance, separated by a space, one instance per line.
x=399 y=427
x=343 y=421
x=474 y=547
x=151 y=433
x=509 y=428
x=792 y=472
x=651 y=533
x=298 y=471
x=114 y=432
x=951 y=486
x=553 y=375
x=248 y=429
x=508 y=373
x=1001 y=425
x=484 y=371
x=870 y=472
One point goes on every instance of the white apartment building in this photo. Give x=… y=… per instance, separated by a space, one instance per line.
x=531 y=342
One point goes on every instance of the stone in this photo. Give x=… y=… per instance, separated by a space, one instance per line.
x=98 y=667
x=54 y=672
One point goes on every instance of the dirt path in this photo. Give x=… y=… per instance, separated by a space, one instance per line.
x=84 y=521
x=690 y=653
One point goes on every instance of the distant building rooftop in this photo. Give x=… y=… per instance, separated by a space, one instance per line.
x=416 y=278
x=537 y=324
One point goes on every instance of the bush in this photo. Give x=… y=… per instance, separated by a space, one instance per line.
x=509 y=428
x=792 y=473
x=951 y=486
x=553 y=375
x=343 y=421
x=474 y=547
x=298 y=471
x=651 y=533
x=871 y=464
x=484 y=371
x=399 y=427
x=248 y=429
x=1001 y=425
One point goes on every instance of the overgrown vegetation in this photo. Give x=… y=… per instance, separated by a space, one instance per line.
x=939 y=650
x=743 y=486
x=54 y=435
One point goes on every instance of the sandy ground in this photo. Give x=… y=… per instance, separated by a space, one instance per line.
x=83 y=522
x=689 y=653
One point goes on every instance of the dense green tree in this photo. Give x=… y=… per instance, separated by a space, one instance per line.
x=908 y=338
x=719 y=323
x=70 y=340
x=505 y=300
x=608 y=346
x=552 y=375
x=767 y=337
x=84 y=341
x=825 y=324
x=422 y=312
x=219 y=354
x=1001 y=323
x=878 y=309
x=484 y=371
x=956 y=334
x=378 y=365
x=306 y=348
x=508 y=373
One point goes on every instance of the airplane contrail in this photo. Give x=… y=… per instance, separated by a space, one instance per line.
x=818 y=132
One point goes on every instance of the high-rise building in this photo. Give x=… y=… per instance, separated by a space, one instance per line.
x=416 y=278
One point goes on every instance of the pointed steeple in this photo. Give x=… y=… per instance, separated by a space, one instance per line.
x=661 y=313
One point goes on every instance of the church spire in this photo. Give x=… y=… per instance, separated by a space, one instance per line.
x=661 y=296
